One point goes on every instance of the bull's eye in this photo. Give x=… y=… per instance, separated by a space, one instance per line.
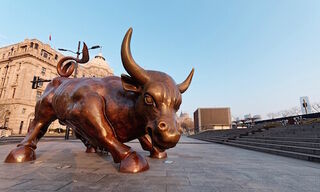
x=149 y=100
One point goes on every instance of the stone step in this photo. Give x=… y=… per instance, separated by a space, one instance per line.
x=209 y=137
x=10 y=141
x=303 y=156
x=213 y=140
x=291 y=143
x=301 y=135
x=307 y=150
x=299 y=139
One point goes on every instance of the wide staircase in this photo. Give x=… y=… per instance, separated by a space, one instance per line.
x=297 y=141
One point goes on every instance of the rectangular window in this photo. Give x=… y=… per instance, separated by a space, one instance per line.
x=24 y=47
x=40 y=84
x=38 y=94
x=4 y=93
x=29 y=124
x=21 y=126
x=56 y=57
x=6 y=121
x=36 y=46
x=43 y=71
x=14 y=92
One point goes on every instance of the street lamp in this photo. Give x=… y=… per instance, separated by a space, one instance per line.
x=78 y=53
x=75 y=74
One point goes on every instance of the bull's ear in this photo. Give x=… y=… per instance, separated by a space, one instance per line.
x=130 y=84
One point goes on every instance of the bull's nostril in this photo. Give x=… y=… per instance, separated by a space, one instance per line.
x=162 y=125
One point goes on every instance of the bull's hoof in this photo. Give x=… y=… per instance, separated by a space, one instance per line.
x=134 y=163
x=91 y=150
x=158 y=154
x=21 y=154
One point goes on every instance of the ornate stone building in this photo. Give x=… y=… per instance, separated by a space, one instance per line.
x=19 y=63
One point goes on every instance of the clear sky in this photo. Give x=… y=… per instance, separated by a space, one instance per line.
x=253 y=56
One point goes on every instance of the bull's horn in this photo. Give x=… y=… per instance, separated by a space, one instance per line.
x=128 y=62
x=184 y=85
x=85 y=54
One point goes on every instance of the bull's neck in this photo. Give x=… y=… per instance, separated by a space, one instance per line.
x=129 y=123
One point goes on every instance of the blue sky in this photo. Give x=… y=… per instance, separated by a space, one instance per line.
x=253 y=56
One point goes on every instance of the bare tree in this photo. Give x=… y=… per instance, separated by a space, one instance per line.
x=285 y=113
x=187 y=125
x=315 y=107
x=295 y=111
x=291 y=112
x=271 y=115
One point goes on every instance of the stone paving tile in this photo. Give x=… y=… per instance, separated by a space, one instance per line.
x=113 y=186
x=178 y=188
x=41 y=185
x=144 y=180
x=194 y=166
x=84 y=186
x=7 y=183
x=140 y=188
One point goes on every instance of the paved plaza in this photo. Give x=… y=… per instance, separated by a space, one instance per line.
x=191 y=166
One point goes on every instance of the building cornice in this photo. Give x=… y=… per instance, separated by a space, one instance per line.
x=27 y=54
x=30 y=103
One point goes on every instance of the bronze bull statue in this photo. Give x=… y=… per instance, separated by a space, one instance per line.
x=107 y=112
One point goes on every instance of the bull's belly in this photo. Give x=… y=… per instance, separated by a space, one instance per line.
x=87 y=132
x=93 y=134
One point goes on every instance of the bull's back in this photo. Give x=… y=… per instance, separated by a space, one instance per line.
x=68 y=93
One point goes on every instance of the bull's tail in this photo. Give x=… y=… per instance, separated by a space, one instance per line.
x=67 y=69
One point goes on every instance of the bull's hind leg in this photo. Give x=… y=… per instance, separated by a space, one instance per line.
x=101 y=134
x=25 y=150
x=89 y=147
x=146 y=144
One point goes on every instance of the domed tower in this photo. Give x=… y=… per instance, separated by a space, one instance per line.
x=96 y=67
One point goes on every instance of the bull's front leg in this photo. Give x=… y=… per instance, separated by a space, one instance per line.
x=25 y=150
x=90 y=117
x=146 y=144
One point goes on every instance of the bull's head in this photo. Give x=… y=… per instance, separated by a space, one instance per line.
x=159 y=98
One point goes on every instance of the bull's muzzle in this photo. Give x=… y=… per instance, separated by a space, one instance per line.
x=164 y=136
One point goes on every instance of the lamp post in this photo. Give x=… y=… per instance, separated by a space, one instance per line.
x=78 y=54
x=75 y=75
